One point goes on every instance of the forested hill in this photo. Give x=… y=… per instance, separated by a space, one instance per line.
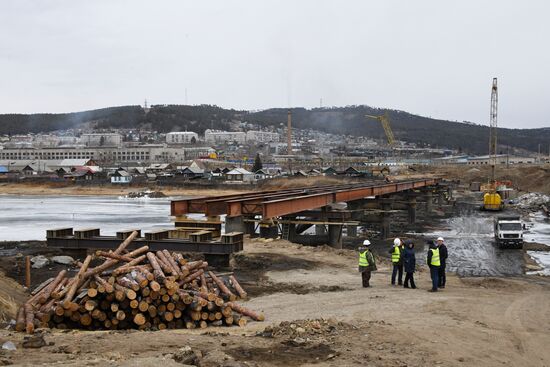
x=425 y=131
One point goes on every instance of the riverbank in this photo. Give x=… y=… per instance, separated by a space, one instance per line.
x=65 y=188
x=478 y=321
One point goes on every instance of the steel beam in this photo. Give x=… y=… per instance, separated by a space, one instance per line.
x=272 y=204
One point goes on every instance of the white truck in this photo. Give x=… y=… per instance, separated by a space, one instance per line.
x=509 y=231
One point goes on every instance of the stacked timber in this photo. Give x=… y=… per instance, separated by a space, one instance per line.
x=137 y=289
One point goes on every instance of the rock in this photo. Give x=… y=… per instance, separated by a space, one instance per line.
x=217 y=358
x=34 y=341
x=9 y=346
x=297 y=342
x=186 y=355
x=64 y=260
x=150 y=362
x=38 y=262
x=300 y=330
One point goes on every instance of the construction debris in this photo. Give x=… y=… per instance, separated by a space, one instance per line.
x=532 y=201
x=137 y=289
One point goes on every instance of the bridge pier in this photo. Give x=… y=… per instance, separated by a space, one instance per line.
x=351 y=230
x=269 y=230
x=320 y=230
x=385 y=225
x=250 y=228
x=335 y=235
x=411 y=210
x=235 y=224
x=429 y=201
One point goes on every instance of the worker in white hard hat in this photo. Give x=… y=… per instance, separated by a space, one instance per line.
x=443 y=254
x=397 y=260
x=367 y=263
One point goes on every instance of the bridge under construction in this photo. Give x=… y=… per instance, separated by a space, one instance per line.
x=289 y=213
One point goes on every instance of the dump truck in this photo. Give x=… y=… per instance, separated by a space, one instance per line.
x=509 y=231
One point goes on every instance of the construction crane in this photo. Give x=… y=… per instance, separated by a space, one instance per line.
x=385 y=121
x=491 y=199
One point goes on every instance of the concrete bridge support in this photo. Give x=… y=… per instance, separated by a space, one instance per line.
x=335 y=235
x=386 y=217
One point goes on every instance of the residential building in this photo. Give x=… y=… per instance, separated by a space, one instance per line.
x=182 y=137
x=101 y=139
x=217 y=136
x=239 y=175
x=262 y=136
x=121 y=177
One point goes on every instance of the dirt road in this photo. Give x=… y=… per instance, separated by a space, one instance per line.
x=473 y=322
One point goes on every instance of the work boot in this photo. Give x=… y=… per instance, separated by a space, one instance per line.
x=432 y=290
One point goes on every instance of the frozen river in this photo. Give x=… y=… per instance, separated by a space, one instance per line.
x=28 y=217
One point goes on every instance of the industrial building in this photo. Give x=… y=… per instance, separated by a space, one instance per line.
x=101 y=139
x=142 y=153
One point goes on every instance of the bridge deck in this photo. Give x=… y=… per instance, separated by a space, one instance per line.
x=275 y=203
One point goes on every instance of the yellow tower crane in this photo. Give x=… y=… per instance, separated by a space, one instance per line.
x=385 y=121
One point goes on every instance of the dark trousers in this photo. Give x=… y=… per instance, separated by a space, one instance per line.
x=434 y=272
x=397 y=268
x=409 y=277
x=365 y=276
x=442 y=276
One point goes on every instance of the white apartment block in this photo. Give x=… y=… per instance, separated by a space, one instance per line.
x=142 y=154
x=262 y=136
x=216 y=136
x=181 y=137
x=101 y=139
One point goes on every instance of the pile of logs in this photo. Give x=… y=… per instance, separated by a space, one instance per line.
x=136 y=289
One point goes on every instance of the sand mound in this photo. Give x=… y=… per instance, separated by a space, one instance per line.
x=12 y=294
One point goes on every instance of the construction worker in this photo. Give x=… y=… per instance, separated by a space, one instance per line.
x=367 y=263
x=409 y=262
x=434 y=263
x=397 y=260
x=443 y=254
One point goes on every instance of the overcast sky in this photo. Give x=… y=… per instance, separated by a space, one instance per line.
x=429 y=57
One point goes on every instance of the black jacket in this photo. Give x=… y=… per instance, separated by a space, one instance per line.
x=409 y=260
x=443 y=254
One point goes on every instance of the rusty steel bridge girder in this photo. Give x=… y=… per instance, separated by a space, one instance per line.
x=275 y=203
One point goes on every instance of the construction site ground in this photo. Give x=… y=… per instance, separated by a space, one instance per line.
x=473 y=322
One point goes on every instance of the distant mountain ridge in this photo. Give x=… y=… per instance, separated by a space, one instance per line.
x=350 y=120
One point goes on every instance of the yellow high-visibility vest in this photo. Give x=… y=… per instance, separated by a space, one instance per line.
x=396 y=255
x=435 y=257
x=363 y=258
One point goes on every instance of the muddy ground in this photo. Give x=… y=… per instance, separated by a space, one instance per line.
x=473 y=322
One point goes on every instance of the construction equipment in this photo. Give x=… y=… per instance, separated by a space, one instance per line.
x=509 y=231
x=385 y=121
x=492 y=199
